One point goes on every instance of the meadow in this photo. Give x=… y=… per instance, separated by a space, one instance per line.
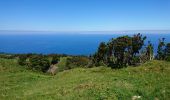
x=150 y=81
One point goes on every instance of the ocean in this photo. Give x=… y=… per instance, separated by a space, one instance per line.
x=72 y=44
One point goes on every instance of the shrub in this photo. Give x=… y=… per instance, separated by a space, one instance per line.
x=39 y=63
x=135 y=61
x=22 y=60
x=76 y=62
x=55 y=60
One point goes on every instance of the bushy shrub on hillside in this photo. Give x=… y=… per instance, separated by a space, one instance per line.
x=73 y=62
x=22 y=60
x=39 y=63
x=55 y=60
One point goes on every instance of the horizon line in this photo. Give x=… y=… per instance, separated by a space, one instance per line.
x=89 y=32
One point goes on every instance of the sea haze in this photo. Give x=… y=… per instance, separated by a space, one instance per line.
x=73 y=44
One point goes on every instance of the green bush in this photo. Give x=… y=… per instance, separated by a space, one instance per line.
x=73 y=62
x=39 y=63
x=22 y=60
x=135 y=61
x=55 y=59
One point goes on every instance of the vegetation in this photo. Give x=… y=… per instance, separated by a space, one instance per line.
x=121 y=52
x=39 y=63
x=22 y=60
x=149 y=51
x=55 y=59
x=167 y=52
x=73 y=62
x=150 y=81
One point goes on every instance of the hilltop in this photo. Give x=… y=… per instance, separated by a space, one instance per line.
x=150 y=81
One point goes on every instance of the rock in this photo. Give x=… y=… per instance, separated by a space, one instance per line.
x=136 y=97
x=52 y=70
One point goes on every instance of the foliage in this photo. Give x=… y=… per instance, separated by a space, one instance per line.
x=121 y=48
x=39 y=63
x=149 y=51
x=100 y=57
x=22 y=60
x=73 y=62
x=167 y=52
x=161 y=49
x=119 y=52
x=55 y=60
x=137 y=43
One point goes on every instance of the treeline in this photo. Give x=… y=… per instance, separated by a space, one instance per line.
x=129 y=50
x=39 y=62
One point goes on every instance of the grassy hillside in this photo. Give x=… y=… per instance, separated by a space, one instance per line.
x=151 y=81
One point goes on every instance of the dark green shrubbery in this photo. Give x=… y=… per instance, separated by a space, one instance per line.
x=34 y=61
x=22 y=60
x=39 y=63
x=167 y=52
x=73 y=62
x=55 y=60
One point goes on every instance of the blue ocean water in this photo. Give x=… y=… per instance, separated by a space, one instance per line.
x=74 y=44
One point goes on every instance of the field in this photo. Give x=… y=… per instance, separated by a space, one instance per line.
x=150 y=81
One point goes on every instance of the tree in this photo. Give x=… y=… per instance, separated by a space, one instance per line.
x=102 y=51
x=167 y=52
x=149 y=51
x=119 y=52
x=121 y=47
x=100 y=57
x=137 y=43
x=161 y=49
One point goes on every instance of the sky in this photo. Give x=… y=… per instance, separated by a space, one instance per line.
x=84 y=15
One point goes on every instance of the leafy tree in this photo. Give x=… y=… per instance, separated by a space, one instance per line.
x=149 y=51
x=100 y=57
x=122 y=46
x=120 y=52
x=167 y=52
x=110 y=56
x=161 y=49
x=102 y=50
x=137 y=43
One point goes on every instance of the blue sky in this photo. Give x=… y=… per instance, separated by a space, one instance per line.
x=84 y=15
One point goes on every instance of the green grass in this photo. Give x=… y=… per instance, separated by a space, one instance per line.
x=151 y=81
